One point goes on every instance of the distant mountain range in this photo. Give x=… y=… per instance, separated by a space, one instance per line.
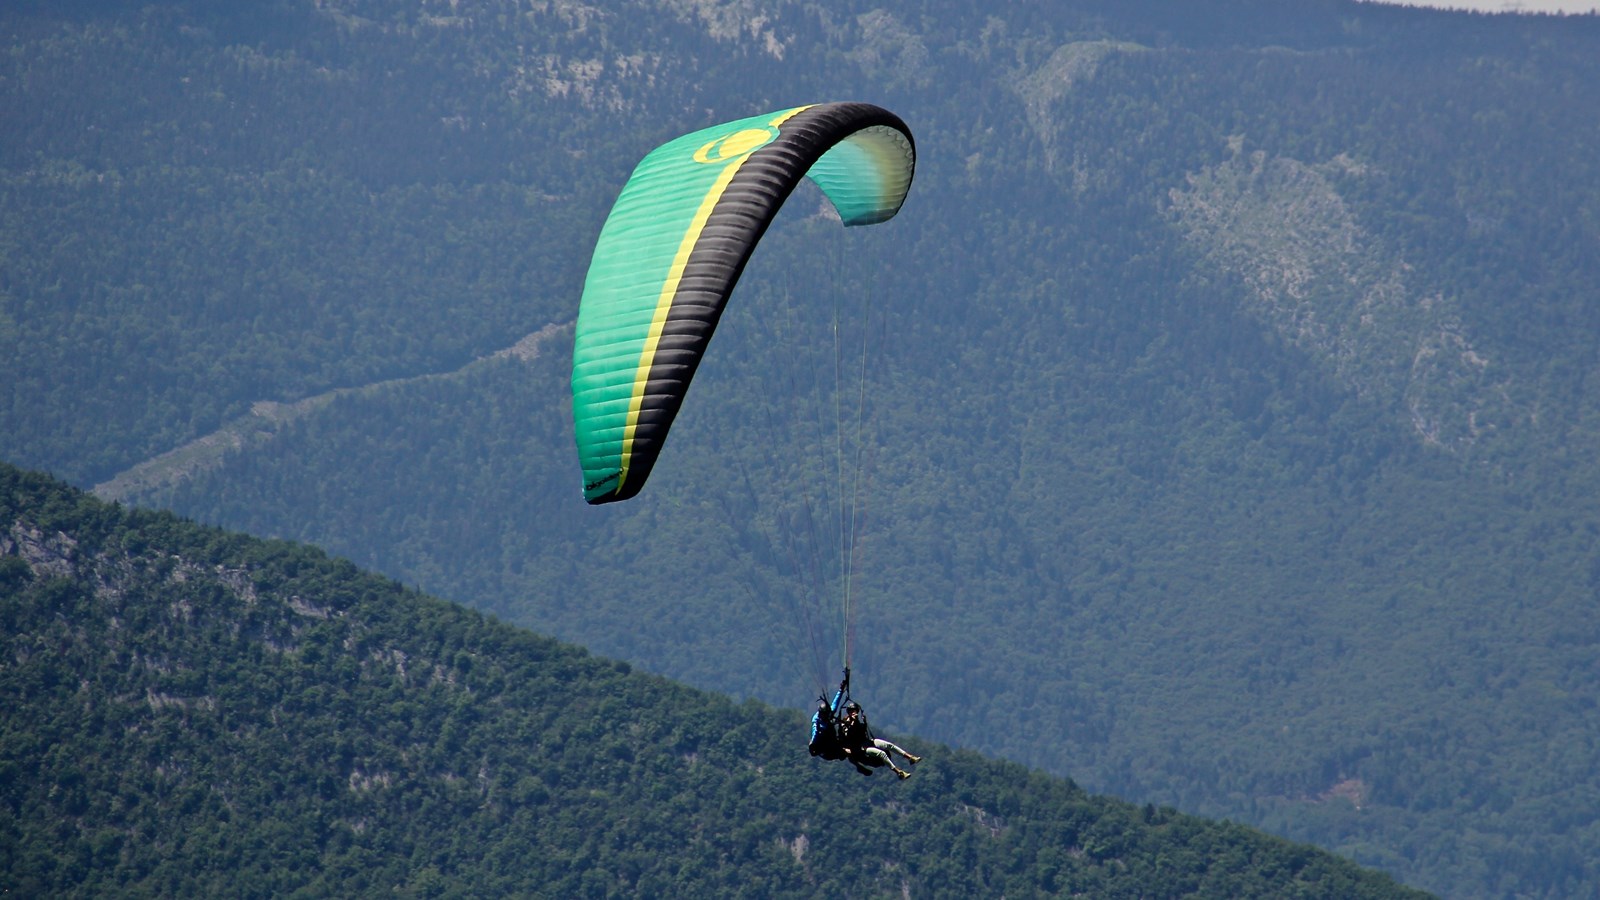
x=1229 y=419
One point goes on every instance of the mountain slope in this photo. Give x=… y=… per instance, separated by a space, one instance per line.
x=195 y=712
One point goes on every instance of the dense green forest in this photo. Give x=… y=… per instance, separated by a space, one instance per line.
x=1231 y=419
x=192 y=712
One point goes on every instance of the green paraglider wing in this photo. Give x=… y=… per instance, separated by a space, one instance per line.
x=673 y=248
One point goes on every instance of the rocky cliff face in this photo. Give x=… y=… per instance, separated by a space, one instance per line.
x=1314 y=275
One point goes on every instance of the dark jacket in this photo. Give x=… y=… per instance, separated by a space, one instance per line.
x=825 y=730
x=854 y=733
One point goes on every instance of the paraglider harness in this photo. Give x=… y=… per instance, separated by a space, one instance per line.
x=826 y=740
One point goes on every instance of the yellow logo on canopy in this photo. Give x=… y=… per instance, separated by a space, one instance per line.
x=734 y=146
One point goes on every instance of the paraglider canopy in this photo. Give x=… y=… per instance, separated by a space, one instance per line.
x=675 y=244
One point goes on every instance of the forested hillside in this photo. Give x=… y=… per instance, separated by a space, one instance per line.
x=1231 y=409
x=198 y=713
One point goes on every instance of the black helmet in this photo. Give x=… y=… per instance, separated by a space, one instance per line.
x=852 y=706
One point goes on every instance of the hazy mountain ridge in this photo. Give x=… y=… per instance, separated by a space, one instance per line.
x=1127 y=525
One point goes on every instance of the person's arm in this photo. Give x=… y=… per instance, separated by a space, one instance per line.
x=838 y=696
